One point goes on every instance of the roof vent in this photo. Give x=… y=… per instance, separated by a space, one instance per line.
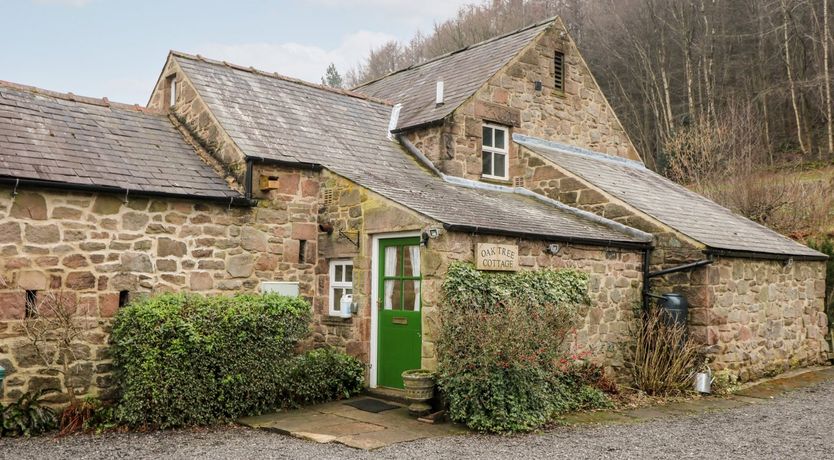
x=392 y=123
x=438 y=100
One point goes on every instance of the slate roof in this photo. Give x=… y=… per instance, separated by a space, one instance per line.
x=672 y=204
x=68 y=139
x=279 y=118
x=463 y=72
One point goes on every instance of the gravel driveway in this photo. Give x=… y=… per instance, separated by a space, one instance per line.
x=797 y=425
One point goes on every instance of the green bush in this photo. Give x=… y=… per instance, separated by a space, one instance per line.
x=500 y=342
x=324 y=374
x=581 y=386
x=27 y=416
x=192 y=360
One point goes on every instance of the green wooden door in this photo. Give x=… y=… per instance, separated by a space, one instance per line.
x=400 y=329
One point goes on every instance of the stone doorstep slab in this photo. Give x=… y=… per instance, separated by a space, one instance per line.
x=337 y=422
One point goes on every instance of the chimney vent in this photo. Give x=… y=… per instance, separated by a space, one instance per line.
x=439 y=98
x=395 y=118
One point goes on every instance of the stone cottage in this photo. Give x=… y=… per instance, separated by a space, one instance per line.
x=234 y=179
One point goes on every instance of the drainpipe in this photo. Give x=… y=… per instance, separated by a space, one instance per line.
x=647 y=280
x=648 y=275
x=247 y=186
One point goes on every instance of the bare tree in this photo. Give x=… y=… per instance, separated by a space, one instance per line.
x=54 y=329
x=826 y=39
x=789 y=68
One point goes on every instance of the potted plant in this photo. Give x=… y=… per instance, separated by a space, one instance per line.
x=419 y=389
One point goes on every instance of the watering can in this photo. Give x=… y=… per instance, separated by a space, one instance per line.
x=703 y=381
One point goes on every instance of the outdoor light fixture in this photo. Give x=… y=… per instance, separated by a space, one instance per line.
x=552 y=249
x=326 y=227
x=432 y=233
x=788 y=263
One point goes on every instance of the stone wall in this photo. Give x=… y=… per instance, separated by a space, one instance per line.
x=766 y=316
x=579 y=116
x=614 y=288
x=92 y=247
x=359 y=214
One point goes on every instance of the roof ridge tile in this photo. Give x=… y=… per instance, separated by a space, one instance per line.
x=69 y=96
x=253 y=70
x=460 y=50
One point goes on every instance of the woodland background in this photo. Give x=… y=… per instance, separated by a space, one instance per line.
x=731 y=98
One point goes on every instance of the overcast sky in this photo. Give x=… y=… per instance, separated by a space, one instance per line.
x=116 y=48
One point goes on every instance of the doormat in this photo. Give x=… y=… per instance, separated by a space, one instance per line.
x=371 y=405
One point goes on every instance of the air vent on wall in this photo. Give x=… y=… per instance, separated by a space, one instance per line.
x=327 y=197
x=559 y=71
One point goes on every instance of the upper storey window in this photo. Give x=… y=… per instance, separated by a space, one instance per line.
x=495 y=152
x=171 y=92
x=559 y=71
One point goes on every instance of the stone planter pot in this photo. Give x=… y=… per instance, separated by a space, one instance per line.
x=419 y=389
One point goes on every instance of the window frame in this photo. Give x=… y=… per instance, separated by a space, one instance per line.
x=333 y=285
x=171 y=92
x=493 y=150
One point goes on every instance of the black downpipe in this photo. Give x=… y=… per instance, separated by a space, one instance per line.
x=647 y=279
x=247 y=186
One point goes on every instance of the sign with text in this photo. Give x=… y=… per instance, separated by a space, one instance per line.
x=496 y=257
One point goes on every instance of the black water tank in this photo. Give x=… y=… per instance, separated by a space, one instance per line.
x=676 y=306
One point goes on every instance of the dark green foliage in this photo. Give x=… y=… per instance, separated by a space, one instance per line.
x=193 y=360
x=27 y=416
x=825 y=245
x=581 y=386
x=332 y=78
x=324 y=374
x=500 y=347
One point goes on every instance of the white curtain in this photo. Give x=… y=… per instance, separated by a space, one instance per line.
x=414 y=251
x=390 y=270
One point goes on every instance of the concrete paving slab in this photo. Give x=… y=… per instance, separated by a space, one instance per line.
x=350 y=428
x=337 y=422
x=380 y=439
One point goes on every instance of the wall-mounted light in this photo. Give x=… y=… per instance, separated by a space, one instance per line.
x=432 y=233
x=788 y=263
x=326 y=227
x=552 y=249
x=538 y=85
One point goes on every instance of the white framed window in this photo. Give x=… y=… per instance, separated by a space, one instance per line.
x=341 y=283
x=495 y=152
x=172 y=90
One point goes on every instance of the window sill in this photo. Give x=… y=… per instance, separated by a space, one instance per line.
x=496 y=180
x=333 y=320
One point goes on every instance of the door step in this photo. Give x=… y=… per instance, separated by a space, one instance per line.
x=387 y=394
